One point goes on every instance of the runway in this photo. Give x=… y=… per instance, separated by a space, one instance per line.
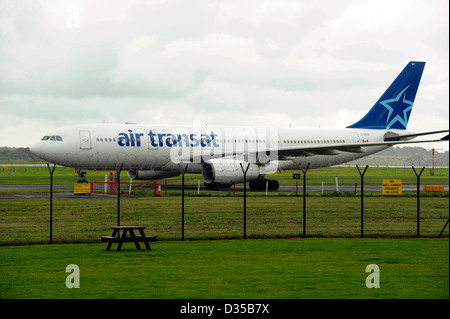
x=66 y=191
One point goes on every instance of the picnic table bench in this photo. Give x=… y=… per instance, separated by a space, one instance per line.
x=120 y=239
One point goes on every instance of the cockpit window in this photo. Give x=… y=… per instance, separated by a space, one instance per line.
x=52 y=138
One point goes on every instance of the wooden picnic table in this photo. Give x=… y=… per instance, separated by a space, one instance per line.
x=123 y=238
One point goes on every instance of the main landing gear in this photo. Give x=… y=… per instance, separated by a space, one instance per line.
x=81 y=172
x=216 y=186
x=260 y=184
x=257 y=185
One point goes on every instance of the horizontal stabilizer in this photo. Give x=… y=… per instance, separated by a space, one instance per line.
x=390 y=136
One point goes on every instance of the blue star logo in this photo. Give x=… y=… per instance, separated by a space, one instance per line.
x=397 y=113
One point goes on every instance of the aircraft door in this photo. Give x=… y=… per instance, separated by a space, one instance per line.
x=85 y=140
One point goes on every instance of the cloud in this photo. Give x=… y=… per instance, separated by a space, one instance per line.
x=226 y=62
x=178 y=67
x=263 y=12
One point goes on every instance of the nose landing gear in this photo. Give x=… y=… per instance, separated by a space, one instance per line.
x=81 y=172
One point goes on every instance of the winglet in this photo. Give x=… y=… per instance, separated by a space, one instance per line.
x=394 y=107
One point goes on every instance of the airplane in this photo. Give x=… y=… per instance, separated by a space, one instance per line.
x=223 y=154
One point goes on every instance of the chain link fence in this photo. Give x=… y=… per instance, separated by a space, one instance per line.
x=25 y=217
x=86 y=219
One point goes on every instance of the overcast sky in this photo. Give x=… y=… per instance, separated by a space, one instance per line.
x=236 y=62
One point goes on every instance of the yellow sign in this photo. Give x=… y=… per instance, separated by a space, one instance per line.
x=433 y=188
x=82 y=189
x=392 y=187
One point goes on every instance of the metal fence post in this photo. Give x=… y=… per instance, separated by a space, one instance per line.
x=51 y=171
x=245 y=197
x=440 y=234
x=304 y=199
x=183 y=171
x=362 y=198
x=418 y=198
x=118 y=171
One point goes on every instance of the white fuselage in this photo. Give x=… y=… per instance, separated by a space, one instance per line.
x=160 y=147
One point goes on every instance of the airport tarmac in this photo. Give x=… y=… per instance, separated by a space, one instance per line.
x=66 y=191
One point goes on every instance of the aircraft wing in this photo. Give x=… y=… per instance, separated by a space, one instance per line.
x=311 y=150
x=333 y=149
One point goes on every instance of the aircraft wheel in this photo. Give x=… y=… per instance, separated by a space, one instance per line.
x=274 y=185
x=257 y=185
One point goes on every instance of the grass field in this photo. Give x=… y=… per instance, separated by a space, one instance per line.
x=242 y=269
x=346 y=176
x=78 y=220
x=274 y=262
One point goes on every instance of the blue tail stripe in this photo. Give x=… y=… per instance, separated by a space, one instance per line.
x=394 y=107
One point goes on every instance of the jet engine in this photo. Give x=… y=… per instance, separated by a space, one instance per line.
x=222 y=171
x=151 y=174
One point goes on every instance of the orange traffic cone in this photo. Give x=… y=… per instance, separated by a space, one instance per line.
x=158 y=193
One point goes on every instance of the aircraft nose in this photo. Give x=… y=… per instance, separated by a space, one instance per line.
x=36 y=149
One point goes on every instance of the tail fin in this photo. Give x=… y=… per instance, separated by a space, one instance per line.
x=394 y=107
